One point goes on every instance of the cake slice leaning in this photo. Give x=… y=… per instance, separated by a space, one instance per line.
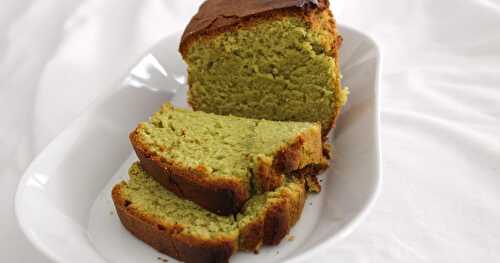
x=187 y=232
x=219 y=161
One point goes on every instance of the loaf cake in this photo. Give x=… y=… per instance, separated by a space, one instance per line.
x=274 y=59
x=187 y=232
x=218 y=161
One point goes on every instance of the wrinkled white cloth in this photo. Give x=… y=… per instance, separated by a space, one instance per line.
x=440 y=103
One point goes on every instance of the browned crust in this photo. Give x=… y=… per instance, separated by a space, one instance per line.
x=168 y=239
x=304 y=151
x=266 y=177
x=327 y=151
x=289 y=159
x=252 y=236
x=225 y=22
x=336 y=56
x=269 y=229
x=223 y=196
x=312 y=184
x=276 y=223
x=311 y=171
x=309 y=15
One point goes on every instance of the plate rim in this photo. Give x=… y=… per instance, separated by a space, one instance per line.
x=345 y=231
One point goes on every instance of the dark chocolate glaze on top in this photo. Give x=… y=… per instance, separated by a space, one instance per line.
x=216 y=14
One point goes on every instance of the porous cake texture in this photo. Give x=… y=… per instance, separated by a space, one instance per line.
x=220 y=161
x=187 y=232
x=276 y=60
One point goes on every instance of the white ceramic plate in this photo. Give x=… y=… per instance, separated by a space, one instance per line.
x=63 y=201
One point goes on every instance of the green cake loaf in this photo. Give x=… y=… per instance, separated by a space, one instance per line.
x=218 y=161
x=187 y=232
x=269 y=59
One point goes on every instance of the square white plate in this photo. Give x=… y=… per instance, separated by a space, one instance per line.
x=63 y=202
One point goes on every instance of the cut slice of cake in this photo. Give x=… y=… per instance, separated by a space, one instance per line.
x=267 y=218
x=276 y=60
x=187 y=232
x=219 y=161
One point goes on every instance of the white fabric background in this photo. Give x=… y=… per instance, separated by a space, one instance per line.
x=440 y=111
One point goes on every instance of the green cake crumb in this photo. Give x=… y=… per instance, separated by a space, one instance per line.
x=148 y=197
x=276 y=69
x=224 y=145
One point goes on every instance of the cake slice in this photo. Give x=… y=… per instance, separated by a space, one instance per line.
x=187 y=232
x=276 y=60
x=219 y=161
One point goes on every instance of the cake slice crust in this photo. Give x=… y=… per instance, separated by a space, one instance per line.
x=217 y=161
x=278 y=60
x=187 y=232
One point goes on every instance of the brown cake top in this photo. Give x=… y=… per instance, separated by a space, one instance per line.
x=216 y=14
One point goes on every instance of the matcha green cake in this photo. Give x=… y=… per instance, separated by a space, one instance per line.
x=220 y=161
x=269 y=59
x=187 y=232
